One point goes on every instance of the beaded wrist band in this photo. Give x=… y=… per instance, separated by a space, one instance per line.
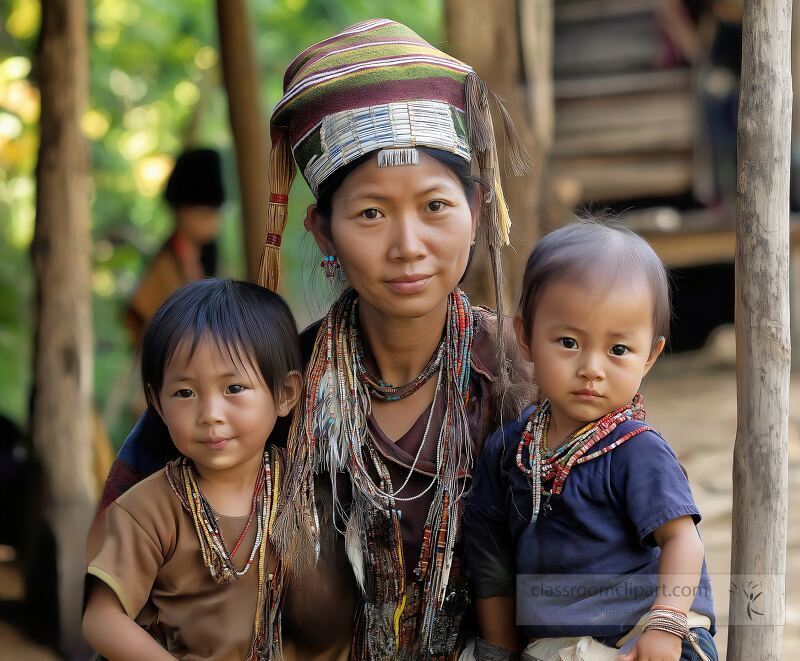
x=665 y=607
x=673 y=621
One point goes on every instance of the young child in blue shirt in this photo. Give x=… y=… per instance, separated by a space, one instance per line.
x=579 y=507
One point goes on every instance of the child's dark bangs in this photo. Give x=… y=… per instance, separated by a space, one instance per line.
x=230 y=335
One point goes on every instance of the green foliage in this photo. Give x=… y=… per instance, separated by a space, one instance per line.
x=154 y=88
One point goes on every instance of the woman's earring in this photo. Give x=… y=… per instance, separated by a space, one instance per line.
x=330 y=265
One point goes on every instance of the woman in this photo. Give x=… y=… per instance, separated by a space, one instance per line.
x=385 y=129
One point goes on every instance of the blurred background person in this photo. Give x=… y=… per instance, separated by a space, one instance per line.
x=195 y=192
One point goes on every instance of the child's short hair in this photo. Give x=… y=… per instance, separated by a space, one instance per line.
x=587 y=251
x=246 y=322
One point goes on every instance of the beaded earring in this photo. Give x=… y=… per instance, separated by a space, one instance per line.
x=330 y=265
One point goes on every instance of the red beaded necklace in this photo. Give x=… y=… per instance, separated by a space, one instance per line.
x=544 y=464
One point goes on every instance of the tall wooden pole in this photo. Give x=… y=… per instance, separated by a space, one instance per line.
x=509 y=44
x=61 y=251
x=247 y=124
x=760 y=466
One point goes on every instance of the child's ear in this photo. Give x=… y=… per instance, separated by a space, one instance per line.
x=658 y=346
x=289 y=393
x=523 y=341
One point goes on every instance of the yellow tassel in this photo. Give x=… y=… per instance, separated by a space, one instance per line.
x=503 y=218
x=281 y=175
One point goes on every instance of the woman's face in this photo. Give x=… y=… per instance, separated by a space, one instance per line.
x=402 y=235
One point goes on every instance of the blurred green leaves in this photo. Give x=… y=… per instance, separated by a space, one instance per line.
x=154 y=88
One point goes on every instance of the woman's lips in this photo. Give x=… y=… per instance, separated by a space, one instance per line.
x=410 y=284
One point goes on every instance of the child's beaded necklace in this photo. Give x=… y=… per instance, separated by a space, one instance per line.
x=183 y=480
x=545 y=464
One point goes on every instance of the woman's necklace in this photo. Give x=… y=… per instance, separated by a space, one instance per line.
x=393 y=495
x=544 y=464
x=332 y=433
x=378 y=388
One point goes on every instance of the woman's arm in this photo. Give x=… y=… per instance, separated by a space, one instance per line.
x=489 y=549
x=113 y=634
x=497 y=621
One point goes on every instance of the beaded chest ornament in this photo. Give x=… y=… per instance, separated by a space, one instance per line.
x=335 y=438
x=543 y=464
x=181 y=476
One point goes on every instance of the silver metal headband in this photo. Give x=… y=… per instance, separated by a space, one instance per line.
x=348 y=135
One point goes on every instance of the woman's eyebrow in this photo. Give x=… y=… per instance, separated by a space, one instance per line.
x=368 y=195
x=435 y=188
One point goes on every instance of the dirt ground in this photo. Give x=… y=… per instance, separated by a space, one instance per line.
x=691 y=399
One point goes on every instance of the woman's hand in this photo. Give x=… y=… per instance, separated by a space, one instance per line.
x=655 y=645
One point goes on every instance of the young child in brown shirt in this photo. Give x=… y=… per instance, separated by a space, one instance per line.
x=182 y=565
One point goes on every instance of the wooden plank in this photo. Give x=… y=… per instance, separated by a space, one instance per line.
x=591 y=10
x=620 y=112
x=679 y=250
x=536 y=45
x=625 y=44
x=667 y=137
x=620 y=178
x=622 y=83
x=690 y=247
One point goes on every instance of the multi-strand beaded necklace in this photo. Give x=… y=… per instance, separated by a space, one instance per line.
x=544 y=464
x=331 y=432
x=182 y=478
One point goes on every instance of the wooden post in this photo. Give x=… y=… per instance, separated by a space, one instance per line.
x=760 y=466
x=61 y=252
x=518 y=34
x=794 y=285
x=247 y=124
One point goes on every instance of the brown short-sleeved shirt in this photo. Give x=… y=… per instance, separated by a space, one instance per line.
x=149 y=555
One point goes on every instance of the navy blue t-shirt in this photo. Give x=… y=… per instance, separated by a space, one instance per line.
x=590 y=565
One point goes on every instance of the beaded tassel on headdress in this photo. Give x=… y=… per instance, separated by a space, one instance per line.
x=496 y=222
x=281 y=175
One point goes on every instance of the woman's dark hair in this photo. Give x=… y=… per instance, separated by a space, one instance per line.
x=457 y=165
x=593 y=251
x=248 y=323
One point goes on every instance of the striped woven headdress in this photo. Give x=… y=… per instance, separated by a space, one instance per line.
x=378 y=86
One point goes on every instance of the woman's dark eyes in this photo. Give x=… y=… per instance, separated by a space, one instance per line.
x=436 y=206
x=184 y=393
x=568 y=343
x=371 y=214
